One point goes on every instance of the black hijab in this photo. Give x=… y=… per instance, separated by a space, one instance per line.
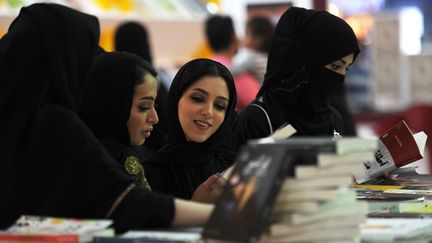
x=50 y=162
x=44 y=58
x=304 y=42
x=107 y=103
x=184 y=164
x=32 y=71
x=109 y=91
x=133 y=37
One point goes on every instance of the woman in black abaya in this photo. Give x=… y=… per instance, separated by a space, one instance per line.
x=181 y=165
x=51 y=163
x=119 y=107
x=310 y=53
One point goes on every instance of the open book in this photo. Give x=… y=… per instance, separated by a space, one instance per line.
x=397 y=147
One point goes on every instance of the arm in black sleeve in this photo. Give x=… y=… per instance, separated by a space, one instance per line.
x=140 y=209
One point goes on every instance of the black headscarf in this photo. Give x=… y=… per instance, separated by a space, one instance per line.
x=304 y=42
x=107 y=102
x=187 y=164
x=51 y=164
x=33 y=72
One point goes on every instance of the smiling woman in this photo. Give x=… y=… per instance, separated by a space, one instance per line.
x=202 y=108
x=201 y=103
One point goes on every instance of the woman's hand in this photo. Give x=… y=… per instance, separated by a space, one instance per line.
x=210 y=190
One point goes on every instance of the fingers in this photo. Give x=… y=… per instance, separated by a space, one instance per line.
x=216 y=181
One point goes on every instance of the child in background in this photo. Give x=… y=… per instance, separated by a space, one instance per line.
x=253 y=57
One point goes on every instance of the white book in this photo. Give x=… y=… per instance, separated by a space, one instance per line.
x=389 y=229
x=352 y=221
x=313 y=171
x=355 y=208
x=345 y=234
x=348 y=145
x=330 y=159
x=300 y=207
x=342 y=198
x=291 y=184
x=307 y=195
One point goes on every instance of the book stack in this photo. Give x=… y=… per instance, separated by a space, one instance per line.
x=30 y=228
x=316 y=203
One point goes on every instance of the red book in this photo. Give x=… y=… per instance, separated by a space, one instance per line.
x=400 y=143
x=31 y=228
x=396 y=147
x=22 y=237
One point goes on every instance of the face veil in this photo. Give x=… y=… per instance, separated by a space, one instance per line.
x=304 y=42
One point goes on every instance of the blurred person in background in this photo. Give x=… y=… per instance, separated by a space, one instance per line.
x=223 y=41
x=257 y=41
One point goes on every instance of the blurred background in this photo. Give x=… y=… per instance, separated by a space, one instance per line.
x=390 y=81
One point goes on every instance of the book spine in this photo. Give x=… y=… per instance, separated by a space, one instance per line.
x=38 y=238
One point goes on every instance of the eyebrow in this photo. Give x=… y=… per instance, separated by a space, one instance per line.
x=151 y=98
x=207 y=93
x=343 y=61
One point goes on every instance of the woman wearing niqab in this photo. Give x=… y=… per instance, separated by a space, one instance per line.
x=50 y=162
x=305 y=41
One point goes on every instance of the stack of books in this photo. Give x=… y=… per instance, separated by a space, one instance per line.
x=317 y=204
x=30 y=228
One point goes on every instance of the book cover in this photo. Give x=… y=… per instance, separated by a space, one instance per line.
x=401 y=144
x=397 y=147
x=245 y=205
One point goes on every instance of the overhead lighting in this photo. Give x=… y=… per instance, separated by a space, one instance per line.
x=213 y=8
